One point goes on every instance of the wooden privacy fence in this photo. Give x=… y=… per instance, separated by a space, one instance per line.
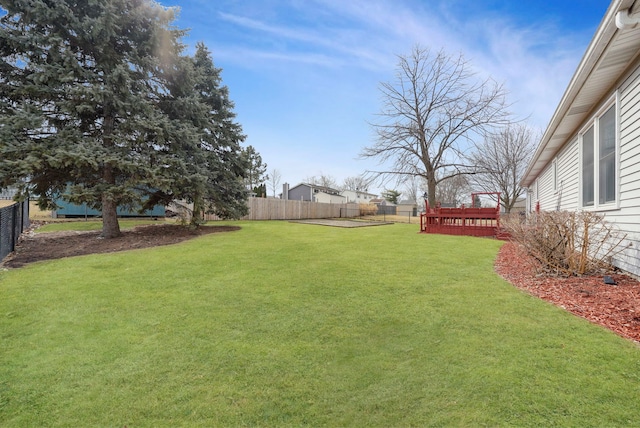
x=283 y=209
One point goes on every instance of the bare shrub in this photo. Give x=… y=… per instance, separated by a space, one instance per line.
x=567 y=243
x=182 y=211
x=368 y=209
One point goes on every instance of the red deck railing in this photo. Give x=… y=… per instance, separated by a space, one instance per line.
x=462 y=221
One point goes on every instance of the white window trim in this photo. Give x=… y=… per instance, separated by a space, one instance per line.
x=597 y=206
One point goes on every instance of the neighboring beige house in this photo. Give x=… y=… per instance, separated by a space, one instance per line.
x=589 y=155
x=519 y=206
x=358 y=197
x=407 y=208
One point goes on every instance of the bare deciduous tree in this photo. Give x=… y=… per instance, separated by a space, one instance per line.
x=274 y=180
x=430 y=114
x=414 y=187
x=357 y=183
x=323 y=180
x=501 y=161
x=454 y=190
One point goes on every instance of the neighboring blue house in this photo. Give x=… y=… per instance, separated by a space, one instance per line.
x=72 y=210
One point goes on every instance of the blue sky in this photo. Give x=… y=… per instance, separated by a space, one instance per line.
x=304 y=74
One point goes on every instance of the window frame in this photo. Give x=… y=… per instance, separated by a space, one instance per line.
x=554 y=172
x=593 y=125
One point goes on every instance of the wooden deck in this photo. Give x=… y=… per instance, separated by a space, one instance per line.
x=461 y=221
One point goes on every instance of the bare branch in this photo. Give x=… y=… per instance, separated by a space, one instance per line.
x=430 y=115
x=501 y=161
x=274 y=180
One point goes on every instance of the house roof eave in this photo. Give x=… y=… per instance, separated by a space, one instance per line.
x=592 y=80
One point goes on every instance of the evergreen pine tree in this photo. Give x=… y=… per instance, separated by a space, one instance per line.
x=205 y=133
x=225 y=194
x=80 y=84
x=256 y=169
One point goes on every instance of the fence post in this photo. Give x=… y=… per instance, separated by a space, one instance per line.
x=13 y=220
x=12 y=241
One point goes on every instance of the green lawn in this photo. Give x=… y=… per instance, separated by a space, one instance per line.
x=283 y=324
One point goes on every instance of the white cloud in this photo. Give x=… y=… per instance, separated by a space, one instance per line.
x=336 y=49
x=535 y=62
x=343 y=45
x=254 y=58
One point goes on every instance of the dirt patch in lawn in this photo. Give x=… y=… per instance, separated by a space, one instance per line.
x=34 y=247
x=616 y=307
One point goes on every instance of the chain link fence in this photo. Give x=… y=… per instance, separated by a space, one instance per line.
x=14 y=219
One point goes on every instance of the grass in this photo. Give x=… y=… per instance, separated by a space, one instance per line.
x=35 y=213
x=283 y=324
x=394 y=218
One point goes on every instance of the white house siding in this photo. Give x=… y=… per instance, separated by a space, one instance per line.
x=530 y=202
x=568 y=176
x=357 y=197
x=545 y=189
x=610 y=67
x=326 y=198
x=627 y=218
x=567 y=181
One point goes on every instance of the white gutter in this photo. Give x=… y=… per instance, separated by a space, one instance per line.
x=625 y=20
x=596 y=47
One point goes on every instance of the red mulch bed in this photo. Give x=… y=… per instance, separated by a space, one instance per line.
x=616 y=307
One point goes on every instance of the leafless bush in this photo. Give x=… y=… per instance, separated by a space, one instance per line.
x=368 y=209
x=567 y=243
x=182 y=211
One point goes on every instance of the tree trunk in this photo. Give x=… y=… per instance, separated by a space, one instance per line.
x=198 y=207
x=431 y=189
x=507 y=203
x=110 y=225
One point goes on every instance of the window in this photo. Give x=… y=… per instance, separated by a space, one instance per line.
x=598 y=160
x=607 y=160
x=587 y=168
